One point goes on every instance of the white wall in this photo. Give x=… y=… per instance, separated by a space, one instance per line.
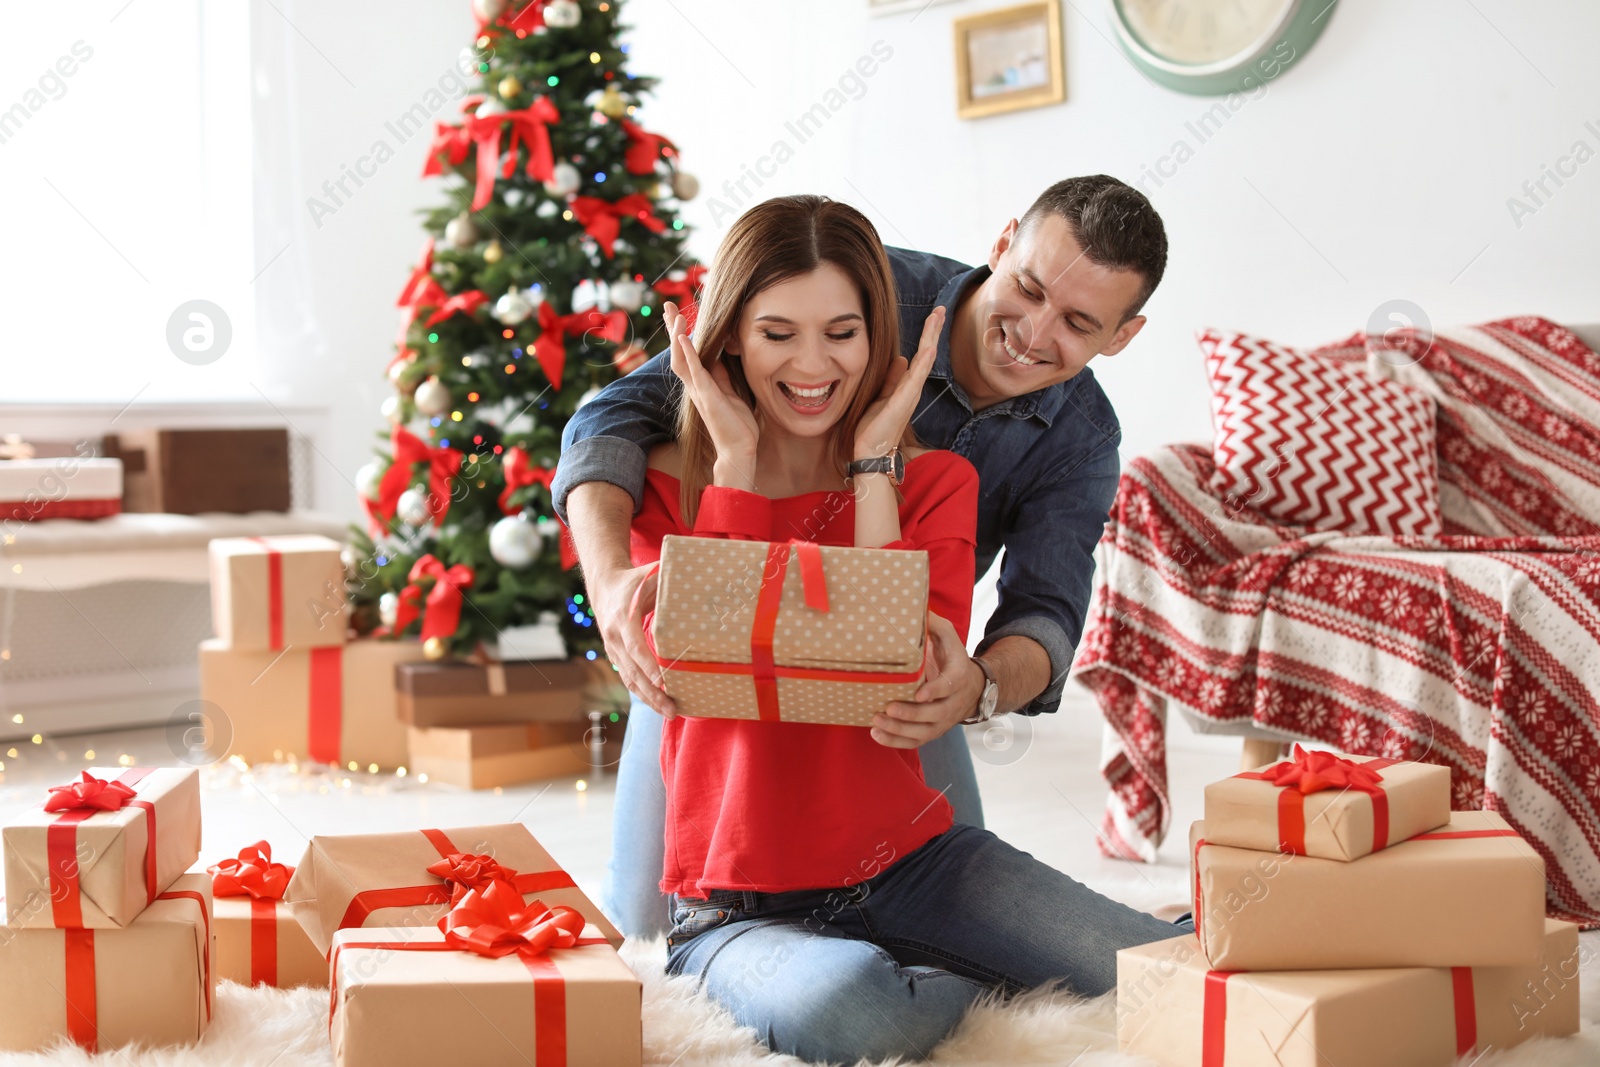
x=1383 y=161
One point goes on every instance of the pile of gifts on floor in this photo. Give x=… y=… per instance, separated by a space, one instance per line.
x=1345 y=916
x=285 y=683
x=422 y=935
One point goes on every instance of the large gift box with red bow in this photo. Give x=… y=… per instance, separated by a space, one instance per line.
x=96 y=852
x=331 y=705
x=1174 y=1007
x=1326 y=805
x=149 y=982
x=498 y=980
x=409 y=879
x=258 y=940
x=278 y=592
x=790 y=632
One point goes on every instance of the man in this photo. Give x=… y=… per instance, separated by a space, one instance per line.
x=1009 y=391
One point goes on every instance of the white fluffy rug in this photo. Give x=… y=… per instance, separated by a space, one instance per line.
x=262 y=1027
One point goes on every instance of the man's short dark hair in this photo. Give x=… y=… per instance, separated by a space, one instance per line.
x=1113 y=222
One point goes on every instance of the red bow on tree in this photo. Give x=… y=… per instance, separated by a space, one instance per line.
x=252 y=874
x=421 y=290
x=442 y=615
x=465 y=871
x=493 y=921
x=410 y=449
x=524 y=22
x=1312 y=772
x=644 y=148
x=684 y=291
x=521 y=471
x=466 y=303
x=603 y=218
x=551 y=347
x=529 y=124
x=90 y=792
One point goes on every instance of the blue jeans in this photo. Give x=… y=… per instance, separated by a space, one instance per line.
x=888 y=967
x=633 y=899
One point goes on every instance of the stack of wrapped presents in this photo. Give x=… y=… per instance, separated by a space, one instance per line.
x=107 y=941
x=1345 y=916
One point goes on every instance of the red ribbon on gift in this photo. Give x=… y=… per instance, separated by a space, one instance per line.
x=408 y=450
x=602 y=219
x=551 y=346
x=442 y=614
x=325 y=704
x=205 y=919
x=684 y=291
x=253 y=874
x=1312 y=772
x=464 y=871
x=274 y=593
x=644 y=148
x=83 y=799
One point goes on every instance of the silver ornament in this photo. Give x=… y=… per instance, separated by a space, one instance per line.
x=564 y=177
x=685 y=186
x=432 y=397
x=391 y=408
x=461 y=232
x=412 y=507
x=562 y=14
x=514 y=542
x=488 y=10
x=388 y=608
x=512 y=308
x=627 y=294
x=367 y=479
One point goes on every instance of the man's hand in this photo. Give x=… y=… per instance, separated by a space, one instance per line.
x=949 y=695
x=621 y=621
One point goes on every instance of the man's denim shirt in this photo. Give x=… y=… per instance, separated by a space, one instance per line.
x=1047 y=465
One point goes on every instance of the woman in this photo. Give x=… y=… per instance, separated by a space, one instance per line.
x=821 y=890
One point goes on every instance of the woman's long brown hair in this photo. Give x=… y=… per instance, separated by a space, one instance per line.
x=772 y=242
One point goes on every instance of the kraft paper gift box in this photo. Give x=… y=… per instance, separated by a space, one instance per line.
x=258 y=940
x=60 y=487
x=474 y=694
x=278 y=592
x=1468 y=895
x=150 y=982
x=1329 y=806
x=332 y=705
x=119 y=837
x=357 y=880
x=789 y=632
x=401 y=995
x=1173 y=1008
x=482 y=757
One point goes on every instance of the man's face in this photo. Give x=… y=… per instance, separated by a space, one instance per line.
x=1046 y=310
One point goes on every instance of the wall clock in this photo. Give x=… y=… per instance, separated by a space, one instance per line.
x=1215 y=47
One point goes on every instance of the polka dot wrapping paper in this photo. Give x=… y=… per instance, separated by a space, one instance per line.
x=718 y=608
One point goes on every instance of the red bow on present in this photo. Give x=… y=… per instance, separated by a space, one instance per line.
x=442 y=614
x=409 y=449
x=683 y=291
x=90 y=793
x=493 y=921
x=251 y=874
x=1312 y=772
x=603 y=218
x=644 y=148
x=551 y=347
x=521 y=471
x=465 y=871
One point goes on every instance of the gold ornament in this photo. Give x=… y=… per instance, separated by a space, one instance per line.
x=434 y=648
x=492 y=252
x=653 y=190
x=612 y=104
x=510 y=87
x=484 y=41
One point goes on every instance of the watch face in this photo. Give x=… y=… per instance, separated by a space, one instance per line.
x=898 y=467
x=1202 y=31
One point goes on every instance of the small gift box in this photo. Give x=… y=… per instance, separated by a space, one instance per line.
x=497 y=981
x=482 y=757
x=333 y=705
x=98 y=851
x=278 y=592
x=60 y=487
x=258 y=940
x=742 y=633
x=478 y=694
x=1326 y=805
x=410 y=879
x=149 y=982
x=1468 y=895
x=1173 y=1008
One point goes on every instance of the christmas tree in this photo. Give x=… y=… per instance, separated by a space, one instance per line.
x=541 y=280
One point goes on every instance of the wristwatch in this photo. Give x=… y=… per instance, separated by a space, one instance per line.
x=894 y=465
x=987 y=699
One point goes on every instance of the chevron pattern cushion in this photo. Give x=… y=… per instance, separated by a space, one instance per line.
x=1318 y=443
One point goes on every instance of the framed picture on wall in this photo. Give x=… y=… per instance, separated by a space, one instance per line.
x=1009 y=59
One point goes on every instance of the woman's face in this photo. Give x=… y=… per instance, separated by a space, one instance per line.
x=804 y=347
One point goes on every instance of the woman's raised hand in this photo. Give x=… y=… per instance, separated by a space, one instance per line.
x=884 y=423
x=728 y=418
